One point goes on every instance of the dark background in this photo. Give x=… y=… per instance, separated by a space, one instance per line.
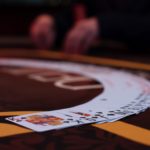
x=17 y=15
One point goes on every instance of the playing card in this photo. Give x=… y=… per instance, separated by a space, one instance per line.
x=85 y=116
x=45 y=121
x=122 y=94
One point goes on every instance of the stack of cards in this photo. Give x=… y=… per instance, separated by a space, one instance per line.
x=124 y=94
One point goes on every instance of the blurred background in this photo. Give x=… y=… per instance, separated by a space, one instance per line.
x=16 y=17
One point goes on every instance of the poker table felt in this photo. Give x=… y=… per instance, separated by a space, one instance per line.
x=129 y=133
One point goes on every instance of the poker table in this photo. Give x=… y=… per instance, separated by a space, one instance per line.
x=28 y=96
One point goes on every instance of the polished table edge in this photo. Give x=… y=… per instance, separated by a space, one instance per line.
x=45 y=54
